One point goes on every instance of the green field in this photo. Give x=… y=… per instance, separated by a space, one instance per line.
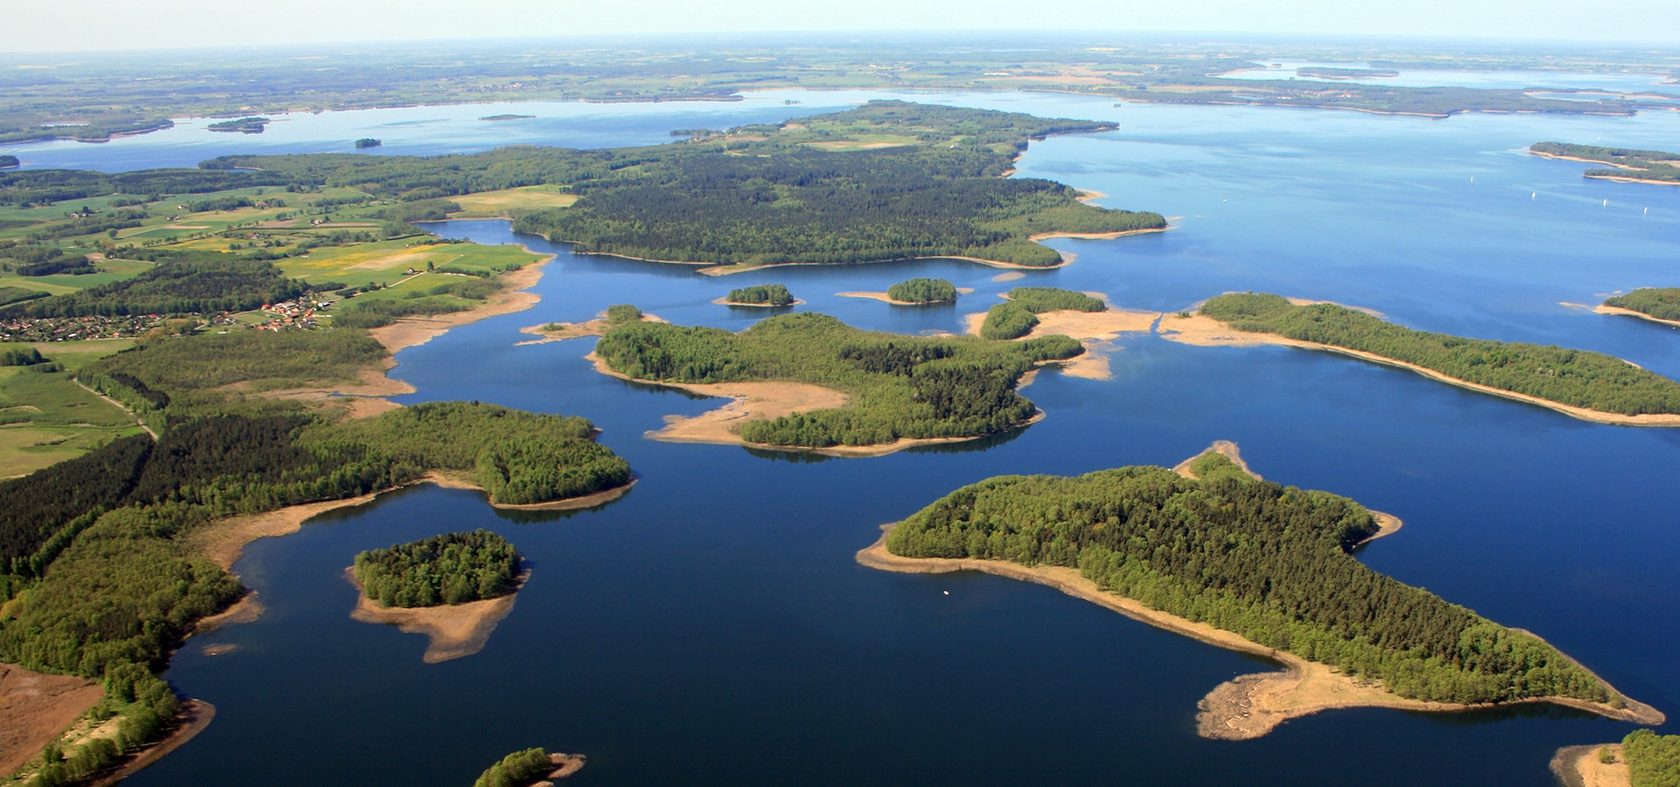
x=497 y=204
x=46 y=418
x=388 y=261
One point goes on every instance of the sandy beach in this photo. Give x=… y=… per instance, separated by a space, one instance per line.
x=1094 y=330
x=566 y=331
x=1245 y=707
x=513 y=297
x=885 y=298
x=1202 y=331
x=1579 y=766
x=1621 y=312
x=453 y=630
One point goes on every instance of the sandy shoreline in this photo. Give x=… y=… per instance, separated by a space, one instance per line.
x=513 y=297
x=1579 y=766
x=885 y=298
x=764 y=401
x=1094 y=330
x=1621 y=312
x=1245 y=707
x=1202 y=331
x=745 y=305
x=1631 y=177
x=453 y=631
x=566 y=331
x=195 y=715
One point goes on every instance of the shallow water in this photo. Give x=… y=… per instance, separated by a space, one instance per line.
x=1505 y=79
x=711 y=626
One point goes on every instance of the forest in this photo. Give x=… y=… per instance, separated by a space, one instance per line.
x=1654 y=165
x=1653 y=760
x=1269 y=562
x=1008 y=320
x=1018 y=316
x=761 y=295
x=519 y=769
x=1662 y=303
x=1573 y=377
x=923 y=290
x=898 y=386
x=202 y=283
x=453 y=568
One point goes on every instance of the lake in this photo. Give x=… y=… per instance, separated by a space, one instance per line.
x=712 y=626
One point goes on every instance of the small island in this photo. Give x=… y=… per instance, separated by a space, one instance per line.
x=1212 y=551
x=250 y=125
x=768 y=296
x=8 y=162
x=1586 y=385
x=1657 y=304
x=454 y=588
x=1333 y=73
x=368 y=142
x=1628 y=164
x=530 y=768
x=1643 y=759
x=809 y=382
x=561 y=331
x=498 y=118
x=914 y=292
x=1019 y=314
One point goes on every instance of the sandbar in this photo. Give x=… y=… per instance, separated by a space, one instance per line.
x=1094 y=330
x=565 y=331
x=453 y=630
x=564 y=765
x=764 y=401
x=1579 y=766
x=1621 y=312
x=1203 y=331
x=885 y=298
x=1248 y=706
x=1009 y=276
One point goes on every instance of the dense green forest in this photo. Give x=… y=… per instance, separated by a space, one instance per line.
x=1268 y=562
x=453 y=568
x=1628 y=162
x=761 y=295
x=899 y=386
x=519 y=769
x=1572 y=377
x=1662 y=303
x=1653 y=760
x=1008 y=321
x=209 y=283
x=244 y=125
x=923 y=291
x=1039 y=300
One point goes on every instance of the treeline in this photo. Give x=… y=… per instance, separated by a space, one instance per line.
x=1268 y=562
x=923 y=290
x=441 y=298
x=1631 y=162
x=1573 y=377
x=519 y=769
x=201 y=283
x=761 y=294
x=1050 y=299
x=1008 y=321
x=897 y=386
x=453 y=568
x=46 y=186
x=146 y=707
x=1662 y=303
x=1653 y=760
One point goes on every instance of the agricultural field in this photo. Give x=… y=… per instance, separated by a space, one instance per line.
x=503 y=203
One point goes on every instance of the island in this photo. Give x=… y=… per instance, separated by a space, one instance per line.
x=1586 y=385
x=914 y=292
x=9 y=162
x=1334 y=73
x=562 y=331
x=530 y=768
x=506 y=116
x=454 y=588
x=809 y=382
x=1657 y=304
x=368 y=142
x=1643 y=759
x=772 y=296
x=1019 y=314
x=1627 y=164
x=246 y=125
x=1213 y=552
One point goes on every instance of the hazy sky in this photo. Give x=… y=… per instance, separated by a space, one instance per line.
x=80 y=25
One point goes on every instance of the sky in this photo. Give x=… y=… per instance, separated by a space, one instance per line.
x=90 y=25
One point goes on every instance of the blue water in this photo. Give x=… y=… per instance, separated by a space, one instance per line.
x=711 y=626
x=1505 y=79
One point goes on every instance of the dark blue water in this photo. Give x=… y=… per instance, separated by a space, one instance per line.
x=711 y=626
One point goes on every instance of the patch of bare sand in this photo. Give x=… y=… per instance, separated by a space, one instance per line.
x=1618 y=311
x=1095 y=331
x=454 y=630
x=193 y=717
x=564 y=331
x=885 y=298
x=513 y=297
x=1248 y=706
x=763 y=401
x=564 y=765
x=1203 y=331
x=1224 y=448
x=1009 y=276
x=1580 y=766
x=37 y=707
x=363 y=399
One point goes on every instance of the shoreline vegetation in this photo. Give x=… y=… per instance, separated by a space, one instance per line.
x=1587 y=766
x=1246 y=320
x=1657 y=304
x=452 y=631
x=533 y=767
x=1626 y=165
x=1248 y=706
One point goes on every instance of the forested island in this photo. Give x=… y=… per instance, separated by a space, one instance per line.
x=528 y=767
x=1587 y=385
x=368 y=142
x=245 y=125
x=1221 y=552
x=1017 y=316
x=1628 y=164
x=868 y=392
x=453 y=568
x=771 y=295
x=506 y=116
x=923 y=291
x=1657 y=304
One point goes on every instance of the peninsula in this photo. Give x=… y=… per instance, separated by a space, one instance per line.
x=1586 y=385
x=1257 y=567
x=1626 y=164
x=807 y=381
x=1657 y=304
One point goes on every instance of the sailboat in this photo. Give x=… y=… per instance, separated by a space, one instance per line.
x=1606 y=203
